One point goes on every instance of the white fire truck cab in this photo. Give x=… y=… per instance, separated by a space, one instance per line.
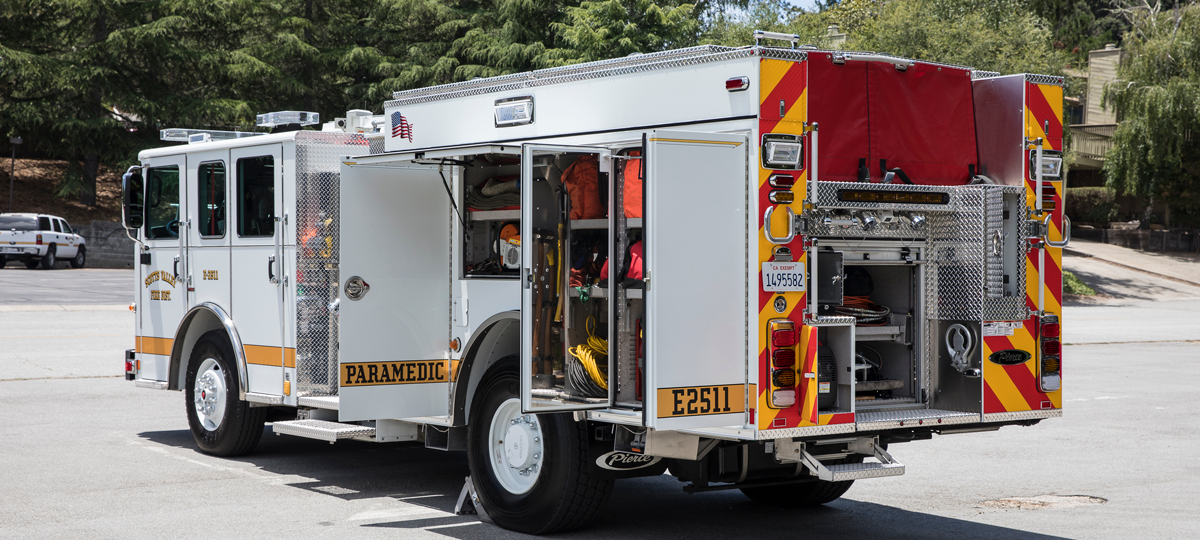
x=760 y=268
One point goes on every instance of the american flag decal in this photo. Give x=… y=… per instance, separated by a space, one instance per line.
x=400 y=127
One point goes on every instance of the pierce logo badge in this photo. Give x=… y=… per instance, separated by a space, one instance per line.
x=625 y=461
x=1010 y=357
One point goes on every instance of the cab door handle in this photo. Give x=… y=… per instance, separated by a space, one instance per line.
x=271 y=269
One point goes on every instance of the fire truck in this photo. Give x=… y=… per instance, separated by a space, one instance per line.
x=757 y=268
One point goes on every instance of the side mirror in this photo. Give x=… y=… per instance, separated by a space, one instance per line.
x=75 y=230
x=131 y=198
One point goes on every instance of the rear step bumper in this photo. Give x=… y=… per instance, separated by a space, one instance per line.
x=797 y=452
x=323 y=430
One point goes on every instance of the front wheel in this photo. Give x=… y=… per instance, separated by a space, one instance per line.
x=531 y=471
x=80 y=258
x=221 y=424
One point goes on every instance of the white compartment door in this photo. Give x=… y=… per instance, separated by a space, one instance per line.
x=695 y=244
x=394 y=341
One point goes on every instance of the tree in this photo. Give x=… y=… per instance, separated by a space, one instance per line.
x=603 y=29
x=1156 y=145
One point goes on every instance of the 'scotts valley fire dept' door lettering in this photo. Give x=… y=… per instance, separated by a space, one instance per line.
x=162 y=288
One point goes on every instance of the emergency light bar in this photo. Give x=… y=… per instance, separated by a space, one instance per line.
x=514 y=111
x=202 y=135
x=1051 y=164
x=283 y=118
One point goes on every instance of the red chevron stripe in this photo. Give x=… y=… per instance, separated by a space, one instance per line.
x=789 y=89
x=1027 y=385
x=991 y=403
x=842 y=418
x=1036 y=101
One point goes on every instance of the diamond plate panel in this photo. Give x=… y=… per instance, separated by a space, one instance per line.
x=810 y=431
x=920 y=417
x=861 y=471
x=318 y=176
x=994 y=230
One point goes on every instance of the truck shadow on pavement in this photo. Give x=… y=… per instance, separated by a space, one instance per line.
x=639 y=508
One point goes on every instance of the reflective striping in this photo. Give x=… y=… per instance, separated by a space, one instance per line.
x=289 y=357
x=153 y=345
x=262 y=355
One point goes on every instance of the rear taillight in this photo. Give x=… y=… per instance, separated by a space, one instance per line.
x=130 y=365
x=737 y=84
x=782 y=335
x=784 y=338
x=1050 y=363
x=39 y=239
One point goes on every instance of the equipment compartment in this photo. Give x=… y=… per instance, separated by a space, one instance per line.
x=492 y=211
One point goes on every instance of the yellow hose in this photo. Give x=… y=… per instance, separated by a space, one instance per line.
x=588 y=354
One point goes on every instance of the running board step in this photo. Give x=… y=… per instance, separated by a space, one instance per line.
x=323 y=430
x=859 y=471
x=797 y=452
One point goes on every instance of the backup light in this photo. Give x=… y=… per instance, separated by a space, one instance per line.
x=781 y=151
x=1051 y=164
x=783 y=398
x=514 y=111
x=283 y=118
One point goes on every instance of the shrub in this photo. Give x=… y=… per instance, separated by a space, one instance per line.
x=1092 y=204
x=1074 y=285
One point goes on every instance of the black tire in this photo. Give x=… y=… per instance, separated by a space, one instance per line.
x=31 y=263
x=568 y=493
x=3 y=261
x=801 y=495
x=241 y=426
x=50 y=259
x=80 y=258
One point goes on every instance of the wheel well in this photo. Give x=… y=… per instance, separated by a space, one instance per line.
x=497 y=338
x=199 y=321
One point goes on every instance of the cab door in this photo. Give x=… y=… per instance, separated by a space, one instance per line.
x=394 y=351
x=552 y=376
x=256 y=262
x=208 y=236
x=162 y=296
x=695 y=244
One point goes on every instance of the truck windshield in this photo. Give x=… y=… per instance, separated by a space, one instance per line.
x=18 y=223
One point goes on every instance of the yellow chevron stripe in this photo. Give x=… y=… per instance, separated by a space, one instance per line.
x=1001 y=385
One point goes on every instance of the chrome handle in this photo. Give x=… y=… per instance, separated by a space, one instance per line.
x=175 y=270
x=271 y=270
x=791 y=226
x=1066 y=232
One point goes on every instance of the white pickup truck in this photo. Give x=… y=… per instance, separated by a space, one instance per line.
x=39 y=239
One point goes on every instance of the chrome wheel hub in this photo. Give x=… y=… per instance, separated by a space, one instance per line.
x=516 y=447
x=209 y=394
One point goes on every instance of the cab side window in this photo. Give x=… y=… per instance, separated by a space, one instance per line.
x=162 y=203
x=57 y=227
x=210 y=198
x=256 y=196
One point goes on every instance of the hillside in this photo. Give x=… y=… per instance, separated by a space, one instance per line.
x=33 y=191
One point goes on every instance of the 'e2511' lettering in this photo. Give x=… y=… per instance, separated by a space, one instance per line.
x=701 y=400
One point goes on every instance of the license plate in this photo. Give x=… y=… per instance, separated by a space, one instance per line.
x=782 y=276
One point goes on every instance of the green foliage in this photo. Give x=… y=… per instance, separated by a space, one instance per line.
x=1080 y=26
x=1091 y=204
x=1074 y=285
x=993 y=35
x=1156 y=153
x=613 y=28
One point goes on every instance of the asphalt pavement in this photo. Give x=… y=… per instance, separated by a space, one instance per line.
x=84 y=453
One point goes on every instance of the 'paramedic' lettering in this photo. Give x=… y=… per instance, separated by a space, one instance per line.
x=701 y=400
x=411 y=372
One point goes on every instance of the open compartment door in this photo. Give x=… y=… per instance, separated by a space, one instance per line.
x=564 y=334
x=696 y=197
x=394 y=301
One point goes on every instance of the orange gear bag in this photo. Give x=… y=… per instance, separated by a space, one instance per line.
x=582 y=180
x=633 y=186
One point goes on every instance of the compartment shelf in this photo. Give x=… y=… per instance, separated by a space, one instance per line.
x=602 y=292
x=495 y=215
x=879 y=333
x=579 y=224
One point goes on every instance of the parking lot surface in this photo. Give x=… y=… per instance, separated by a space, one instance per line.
x=84 y=453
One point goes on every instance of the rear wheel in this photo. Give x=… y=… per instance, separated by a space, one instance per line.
x=221 y=424
x=80 y=258
x=531 y=471
x=798 y=495
x=49 y=260
x=3 y=261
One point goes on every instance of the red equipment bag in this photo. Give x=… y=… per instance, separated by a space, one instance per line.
x=633 y=186
x=582 y=180
x=634 y=260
